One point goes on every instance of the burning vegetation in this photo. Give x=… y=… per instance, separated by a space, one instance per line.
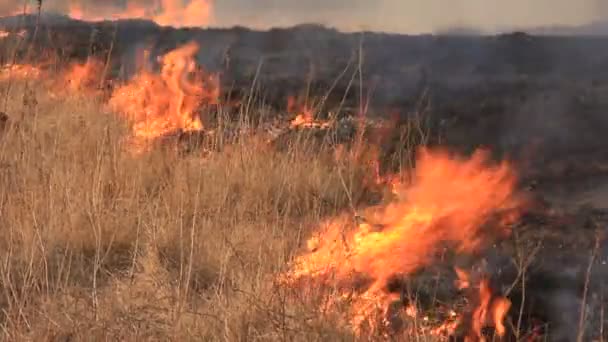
x=160 y=104
x=446 y=207
x=403 y=238
x=20 y=71
x=176 y=13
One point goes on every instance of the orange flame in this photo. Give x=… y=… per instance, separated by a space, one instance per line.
x=448 y=201
x=305 y=115
x=19 y=71
x=163 y=12
x=158 y=104
x=491 y=310
x=84 y=76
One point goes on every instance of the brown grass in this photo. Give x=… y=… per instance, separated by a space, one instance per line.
x=97 y=244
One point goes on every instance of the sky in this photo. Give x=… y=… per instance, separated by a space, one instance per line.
x=413 y=16
x=402 y=16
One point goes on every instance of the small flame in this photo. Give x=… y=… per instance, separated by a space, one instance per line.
x=448 y=201
x=84 y=76
x=158 y=104
x=304 y=117
x=195 y=13
x=19 y=71
x=490 y=312
x=463 y=281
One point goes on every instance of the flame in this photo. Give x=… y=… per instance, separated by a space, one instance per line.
x=83 y=76
x=447 y=202
x=490 y=312
x=195 y=13
x=305 y=115
x=158 y=104
x=4 y=34
x=163 y=12
x=19 y=71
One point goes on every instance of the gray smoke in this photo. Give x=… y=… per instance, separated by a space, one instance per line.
x=403 y=16
x=412 y=16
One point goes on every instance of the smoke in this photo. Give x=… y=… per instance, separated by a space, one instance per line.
x=412 y=16
x=176 y=13
x=403 y=16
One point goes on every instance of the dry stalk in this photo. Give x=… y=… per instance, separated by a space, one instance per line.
x=583 y=313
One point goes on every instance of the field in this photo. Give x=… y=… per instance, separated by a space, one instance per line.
x=340 y=190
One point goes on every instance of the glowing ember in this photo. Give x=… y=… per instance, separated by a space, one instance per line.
x=164 y=12
x=447 y=204
x=158 y=104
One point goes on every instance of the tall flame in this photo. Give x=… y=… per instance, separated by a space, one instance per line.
x=448 y=202
x=158 y=104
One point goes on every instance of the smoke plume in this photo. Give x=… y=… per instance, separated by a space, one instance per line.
x=176 y=13
x=402 y=16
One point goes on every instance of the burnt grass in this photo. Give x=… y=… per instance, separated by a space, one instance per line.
x=538 y=101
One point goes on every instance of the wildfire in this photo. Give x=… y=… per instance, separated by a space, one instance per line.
x=19 y=71
x=163 y=12
x=304 y=117
x=158 y=104
x=448 y=202
x=83 y=76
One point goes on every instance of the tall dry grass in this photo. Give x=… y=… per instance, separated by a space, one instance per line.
x=99 y=244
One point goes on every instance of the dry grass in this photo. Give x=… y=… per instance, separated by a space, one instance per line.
x=97 y=244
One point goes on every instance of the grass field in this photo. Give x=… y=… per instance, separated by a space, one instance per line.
x=106 y=235
x=100 y=244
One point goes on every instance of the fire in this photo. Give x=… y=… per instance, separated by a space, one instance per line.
x=490 y=311
x=448 y=203
x=163 y=12
x=84 y=76
x=305 y=115
x=158 y=104
x=175 y=13
x=19 y=71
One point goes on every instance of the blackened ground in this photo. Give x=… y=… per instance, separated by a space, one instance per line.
x=539 y=100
